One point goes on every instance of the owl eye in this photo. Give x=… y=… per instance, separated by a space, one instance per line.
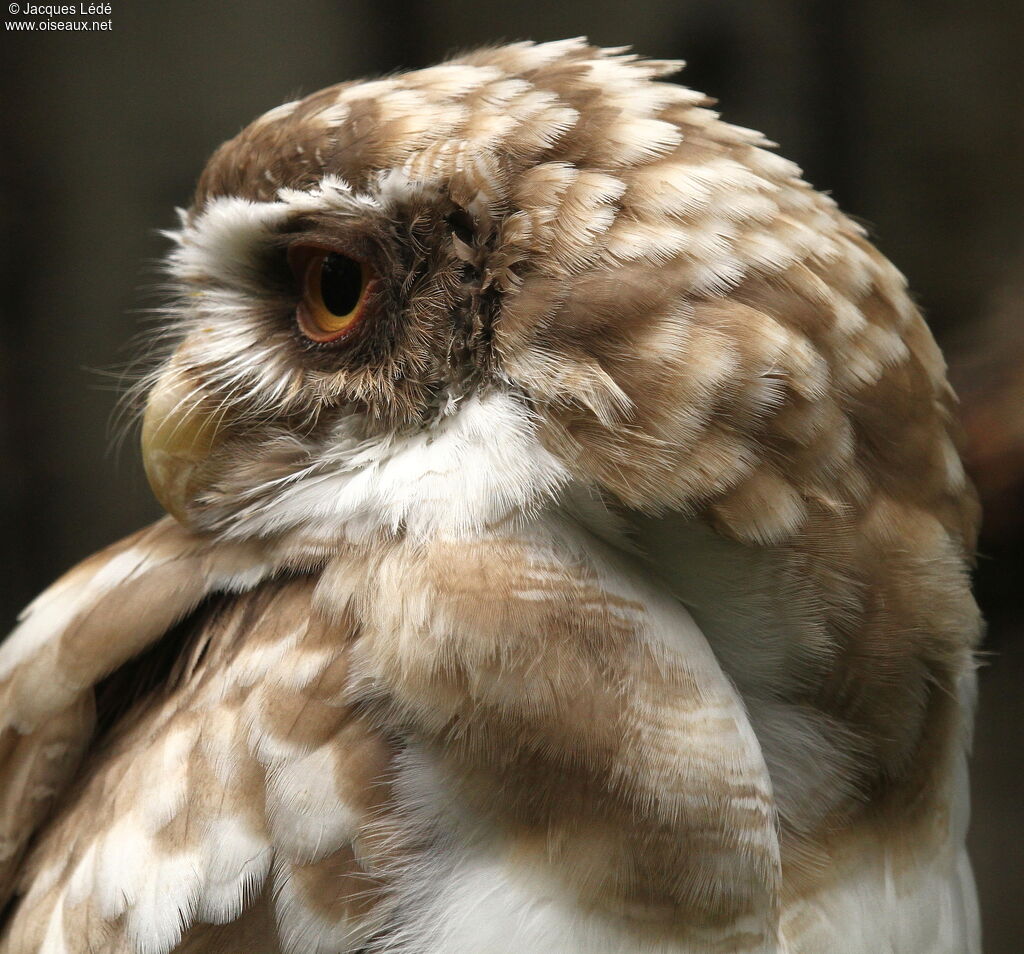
x=334 y=290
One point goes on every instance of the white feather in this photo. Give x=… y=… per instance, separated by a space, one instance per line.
x=480 y=465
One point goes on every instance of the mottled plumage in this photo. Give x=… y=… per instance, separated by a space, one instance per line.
x=604 y=590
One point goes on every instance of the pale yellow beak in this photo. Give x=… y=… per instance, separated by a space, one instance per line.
x=179 y=431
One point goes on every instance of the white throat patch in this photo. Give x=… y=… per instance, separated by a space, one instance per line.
x=480 y=464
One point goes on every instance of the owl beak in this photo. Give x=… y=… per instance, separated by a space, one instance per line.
x=178 y=433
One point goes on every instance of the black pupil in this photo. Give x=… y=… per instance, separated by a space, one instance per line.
x=341 y=283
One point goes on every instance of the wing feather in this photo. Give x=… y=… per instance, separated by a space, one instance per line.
x=92 y=620
x=233 y=791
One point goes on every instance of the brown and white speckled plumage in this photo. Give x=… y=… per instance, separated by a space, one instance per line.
x=608 y=594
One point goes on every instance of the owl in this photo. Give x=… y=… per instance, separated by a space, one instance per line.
x=567 y=550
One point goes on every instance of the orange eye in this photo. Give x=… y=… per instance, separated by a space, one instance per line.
x=334 y=291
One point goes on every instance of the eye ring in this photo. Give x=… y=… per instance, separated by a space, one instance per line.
x=334 y=290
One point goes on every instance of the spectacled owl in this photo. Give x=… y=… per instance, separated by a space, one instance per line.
x=567 y=551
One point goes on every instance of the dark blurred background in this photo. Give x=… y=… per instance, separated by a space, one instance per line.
x=910 y=113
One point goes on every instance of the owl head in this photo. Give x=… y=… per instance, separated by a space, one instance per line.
x=441 y=299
